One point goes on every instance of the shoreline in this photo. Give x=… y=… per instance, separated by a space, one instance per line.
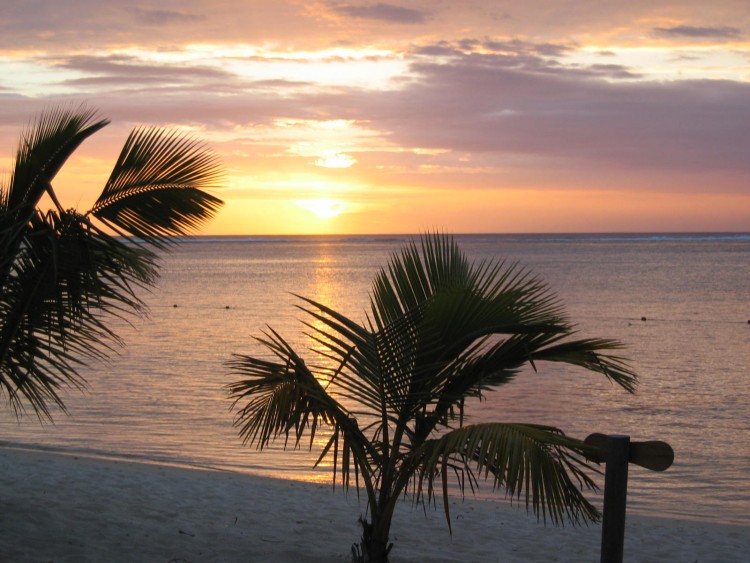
x=323 y=479
x=68 y=507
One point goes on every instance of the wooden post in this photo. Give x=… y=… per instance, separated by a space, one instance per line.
x=615 y=495
x=617 y=451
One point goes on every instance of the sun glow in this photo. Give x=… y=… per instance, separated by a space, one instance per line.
x=362 y=67
x=658 y=61
x=325 y=208
x=335 y=160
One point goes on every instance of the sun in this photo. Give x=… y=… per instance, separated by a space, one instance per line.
x=325 y=208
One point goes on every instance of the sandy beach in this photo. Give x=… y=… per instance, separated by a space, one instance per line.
x=64 y=508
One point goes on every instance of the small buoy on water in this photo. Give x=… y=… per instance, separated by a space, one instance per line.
x=643 y=318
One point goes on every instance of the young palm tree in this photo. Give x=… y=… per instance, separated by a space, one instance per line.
x=393 y=390
x=62 y=274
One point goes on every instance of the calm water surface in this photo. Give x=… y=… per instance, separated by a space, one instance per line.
x=162 y=398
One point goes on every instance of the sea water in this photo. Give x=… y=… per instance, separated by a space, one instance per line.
x=163 y=397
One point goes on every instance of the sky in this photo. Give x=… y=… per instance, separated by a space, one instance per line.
x=338 y=116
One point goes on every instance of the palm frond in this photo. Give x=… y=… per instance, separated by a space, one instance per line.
x=284 y=398
x=431 y=307
x=156 y=188
x=66 y=278
x=594 y=355
x=372 y=365
x=43 y=150
x=455 y=327
x=61 y=276
x=538 y=464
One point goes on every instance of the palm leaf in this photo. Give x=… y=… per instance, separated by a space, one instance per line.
x=367 y=368
x=587 y=353
x=42 y=151
x=284 y=398
x=495 y=364
x=472 y=326
x=156 y=188
x=67 y=278
x=62 y=276
x=537 y=463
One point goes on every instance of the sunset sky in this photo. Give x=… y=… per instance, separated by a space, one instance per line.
x=397 y=117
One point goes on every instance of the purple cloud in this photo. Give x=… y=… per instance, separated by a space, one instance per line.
x=121 y=70
x=698 y=32
x=383 y=12
x=485 y=105
x=164 y=17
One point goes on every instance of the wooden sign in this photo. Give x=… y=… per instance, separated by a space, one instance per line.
x=617 y=451
x=654 y=455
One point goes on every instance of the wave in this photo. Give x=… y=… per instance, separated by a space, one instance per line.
x=487 y=237
x=281 y=239
x=110 y=455
x=617 y=237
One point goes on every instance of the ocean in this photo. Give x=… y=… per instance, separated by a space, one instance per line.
x=679 y=302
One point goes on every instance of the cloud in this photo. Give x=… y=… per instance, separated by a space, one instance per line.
x=165 y=17
x=383 y=12
x=619 y=72
x=520 y=55
x=100 y=24
x=565 y=117
x=309 y=25
x=123 y=69
x=503 y=108
x=480 y=106
x=698 y=32
x=518 y=46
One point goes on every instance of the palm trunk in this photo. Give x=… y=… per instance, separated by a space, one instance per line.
x=373 y=546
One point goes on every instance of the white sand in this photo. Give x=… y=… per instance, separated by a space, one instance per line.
x=60 y=508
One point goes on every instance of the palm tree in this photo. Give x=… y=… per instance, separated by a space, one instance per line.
x=61 y=273
x=393 y=391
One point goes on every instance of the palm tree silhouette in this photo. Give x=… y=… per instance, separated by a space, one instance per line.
x=393 y=390
x=62 y=274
